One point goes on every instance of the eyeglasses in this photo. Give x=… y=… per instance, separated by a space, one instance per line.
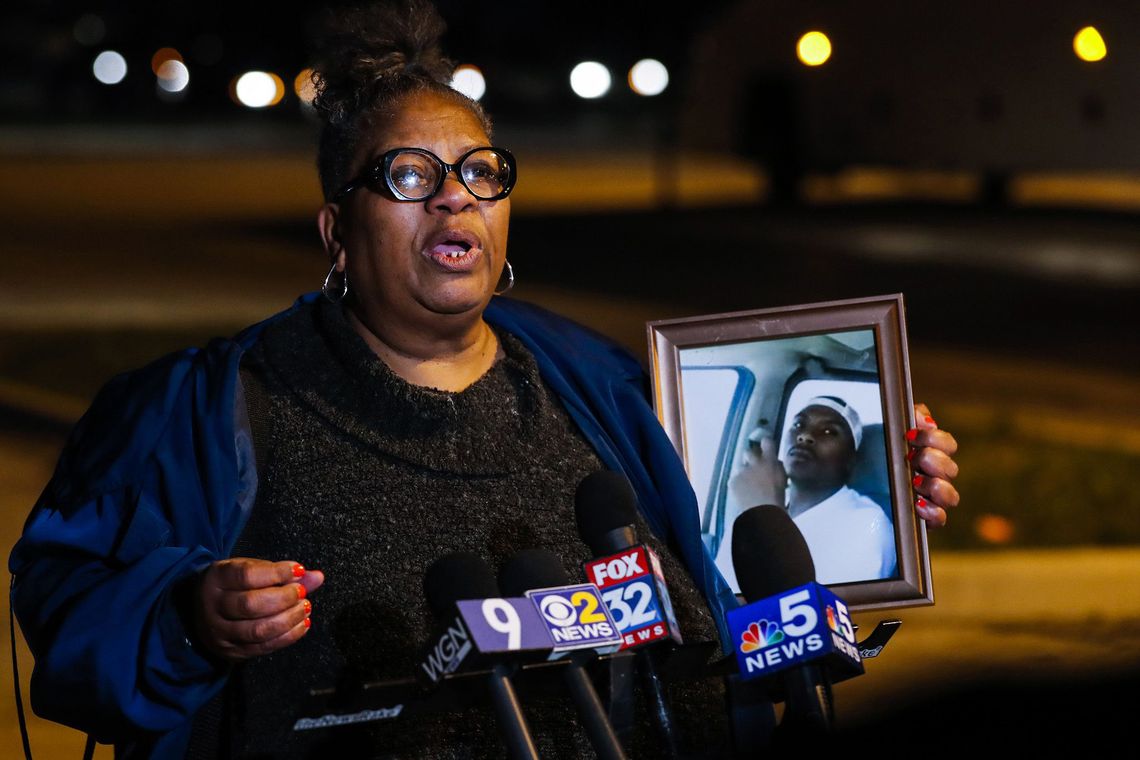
x=415 y=174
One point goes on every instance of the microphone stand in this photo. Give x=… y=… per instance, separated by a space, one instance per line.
x=618 y=540
x=658 y=702
x=598 y=728
x=808 y=707
x=519 y=742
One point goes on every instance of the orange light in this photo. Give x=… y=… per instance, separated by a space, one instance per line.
x=161 y=56
x=279 y=89
x=303 y=86
x=994 y=529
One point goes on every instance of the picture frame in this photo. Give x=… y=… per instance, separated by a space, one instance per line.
x=804 y=377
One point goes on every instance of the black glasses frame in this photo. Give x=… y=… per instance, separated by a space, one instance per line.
x=381 y=171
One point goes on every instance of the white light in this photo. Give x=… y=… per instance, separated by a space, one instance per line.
x=109 y=67
x=173 y=76
x=590 y=79
x=648 y=77
x=469 y=80
x=256 y=89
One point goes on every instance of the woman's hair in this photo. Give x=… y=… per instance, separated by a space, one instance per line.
x=366 y=60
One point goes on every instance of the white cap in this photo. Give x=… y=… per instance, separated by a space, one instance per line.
x=846 y=411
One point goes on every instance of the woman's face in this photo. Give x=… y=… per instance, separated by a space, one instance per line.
x=820 y=447
x=400 y=256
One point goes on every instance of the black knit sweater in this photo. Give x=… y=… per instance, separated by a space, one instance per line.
x=370 y=479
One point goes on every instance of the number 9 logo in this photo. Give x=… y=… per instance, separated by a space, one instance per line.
x=501 y=617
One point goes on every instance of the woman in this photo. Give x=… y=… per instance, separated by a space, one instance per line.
x=164 y=578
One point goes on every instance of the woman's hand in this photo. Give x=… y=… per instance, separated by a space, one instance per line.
x=930 y=460
x=249 y=607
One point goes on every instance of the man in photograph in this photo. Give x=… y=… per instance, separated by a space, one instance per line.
x=850 y=536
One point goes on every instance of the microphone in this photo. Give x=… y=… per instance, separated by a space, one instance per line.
x=633 y=586
x=628 y=572
x=465 y=576
x=579 y=624
x=793 y=628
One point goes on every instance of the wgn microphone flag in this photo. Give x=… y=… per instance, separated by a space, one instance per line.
x=793 y=627
x=628 y=573
x=461 y=580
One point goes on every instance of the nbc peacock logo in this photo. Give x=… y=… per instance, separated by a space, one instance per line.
x=759 y=635
x=832 y=621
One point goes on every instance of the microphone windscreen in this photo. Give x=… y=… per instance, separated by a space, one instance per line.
x=460 y=575
x=769 y=553
x=530 y=569
x=604 y=501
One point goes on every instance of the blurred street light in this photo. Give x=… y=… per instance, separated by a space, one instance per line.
x=258 y=89
x=304 y=88
x=648 y=77
x=161 y=56
x=109 y=67
x=173 y=76
x=469 y=80
x=590 y=79
x=1089 y=45
x=813 y=49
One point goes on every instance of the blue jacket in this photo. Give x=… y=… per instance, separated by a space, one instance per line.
x=149 y=490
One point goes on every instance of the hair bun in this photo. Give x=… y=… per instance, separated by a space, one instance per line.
x=363 y=48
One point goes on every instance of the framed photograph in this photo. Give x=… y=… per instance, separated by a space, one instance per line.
x=819 y=395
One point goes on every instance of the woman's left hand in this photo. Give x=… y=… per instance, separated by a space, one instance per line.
x=933 y=468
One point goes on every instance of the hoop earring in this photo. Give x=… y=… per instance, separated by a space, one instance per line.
x=510 y=279
x=331 y=292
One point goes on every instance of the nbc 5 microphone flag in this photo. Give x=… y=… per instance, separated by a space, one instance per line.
x=802 y=624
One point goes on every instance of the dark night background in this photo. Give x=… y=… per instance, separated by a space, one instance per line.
x=959 y=154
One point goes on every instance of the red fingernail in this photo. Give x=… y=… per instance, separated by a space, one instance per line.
x=298 y=570
x=930 y=421
x=308 y=623
x=912 y=434
x=921 y=502
x=910 y=454
x=301 y=591
x=308 y=607
x=917 y=481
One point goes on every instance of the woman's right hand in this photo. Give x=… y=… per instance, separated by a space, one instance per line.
x=249 y=607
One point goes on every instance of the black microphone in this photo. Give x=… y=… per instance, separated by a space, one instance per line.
x=532 y=569
x=803 y=635
x=632 y=584
x=456 y=577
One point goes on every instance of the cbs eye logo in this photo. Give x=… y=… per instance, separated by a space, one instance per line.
x=581 y=607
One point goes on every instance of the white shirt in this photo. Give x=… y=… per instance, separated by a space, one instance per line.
x=850 y=537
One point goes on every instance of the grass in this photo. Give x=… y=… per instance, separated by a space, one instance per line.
x=1051 y=495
